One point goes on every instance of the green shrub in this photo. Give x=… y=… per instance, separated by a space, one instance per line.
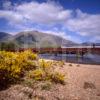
x=37 y=74
x=46 y=86
x=58 y=78
x=61 y=63
x=45 y=65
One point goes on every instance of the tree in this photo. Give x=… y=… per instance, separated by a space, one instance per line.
x=9 y=46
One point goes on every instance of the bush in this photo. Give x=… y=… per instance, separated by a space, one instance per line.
x=58 y=78
x=46 y=86
x=29 y=55
x=37 y=74
x=8 y=66
x=61 y=63
x=45 y=72
x=9 y=46
x=13 y=65
x=45 y=65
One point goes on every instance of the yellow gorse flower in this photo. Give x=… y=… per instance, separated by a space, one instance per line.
x=13 y=64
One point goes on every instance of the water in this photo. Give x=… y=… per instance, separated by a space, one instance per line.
x=87 y=59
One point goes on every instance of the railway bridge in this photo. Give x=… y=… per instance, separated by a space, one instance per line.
x=67 y=50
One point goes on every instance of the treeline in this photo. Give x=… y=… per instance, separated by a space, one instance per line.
x=8 y=46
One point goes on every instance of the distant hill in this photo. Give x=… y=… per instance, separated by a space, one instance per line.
x=32 y=39
x=38 y=39
x=90 y=44
x=4 y=36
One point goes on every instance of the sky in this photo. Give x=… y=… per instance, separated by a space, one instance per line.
x=76 y=20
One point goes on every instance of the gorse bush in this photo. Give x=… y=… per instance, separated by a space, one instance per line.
x=16 y=65
x=61 y=63
x=58 y=78
x=45 y=65
x=13 y=65
x=37 y=74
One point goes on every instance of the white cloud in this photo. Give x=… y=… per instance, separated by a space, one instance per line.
x=85 y=24
x=43 y=13
x=7 y=5
x=47 y=13
x=50 y=14
x=12 y=17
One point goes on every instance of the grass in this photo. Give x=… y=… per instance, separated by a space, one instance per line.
x=46 y=86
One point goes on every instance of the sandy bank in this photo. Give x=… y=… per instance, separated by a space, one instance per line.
x=82 y=83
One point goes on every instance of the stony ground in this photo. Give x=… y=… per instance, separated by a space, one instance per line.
x=82 y=83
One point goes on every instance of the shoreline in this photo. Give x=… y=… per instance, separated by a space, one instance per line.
x=73 y=59
x=97 y=65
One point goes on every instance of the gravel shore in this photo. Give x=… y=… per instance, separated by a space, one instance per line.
x=82 y=83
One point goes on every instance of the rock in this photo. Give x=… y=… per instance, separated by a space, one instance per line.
x=89 y=85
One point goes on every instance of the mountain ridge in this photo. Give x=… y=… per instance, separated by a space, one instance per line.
x=31 y=39
x=4 y=35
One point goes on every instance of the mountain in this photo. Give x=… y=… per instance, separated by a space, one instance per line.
x=31 y=39
x=4 y=36
x=90 y=44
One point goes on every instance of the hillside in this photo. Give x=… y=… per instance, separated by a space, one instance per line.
x=4 y=36
x=32 y=39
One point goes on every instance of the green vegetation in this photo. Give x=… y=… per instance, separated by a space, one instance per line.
x=8 y=46
x=58 y=78
x=46 y=86
x=37 y=74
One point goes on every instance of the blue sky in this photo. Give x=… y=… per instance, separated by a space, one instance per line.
x=76 y=20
